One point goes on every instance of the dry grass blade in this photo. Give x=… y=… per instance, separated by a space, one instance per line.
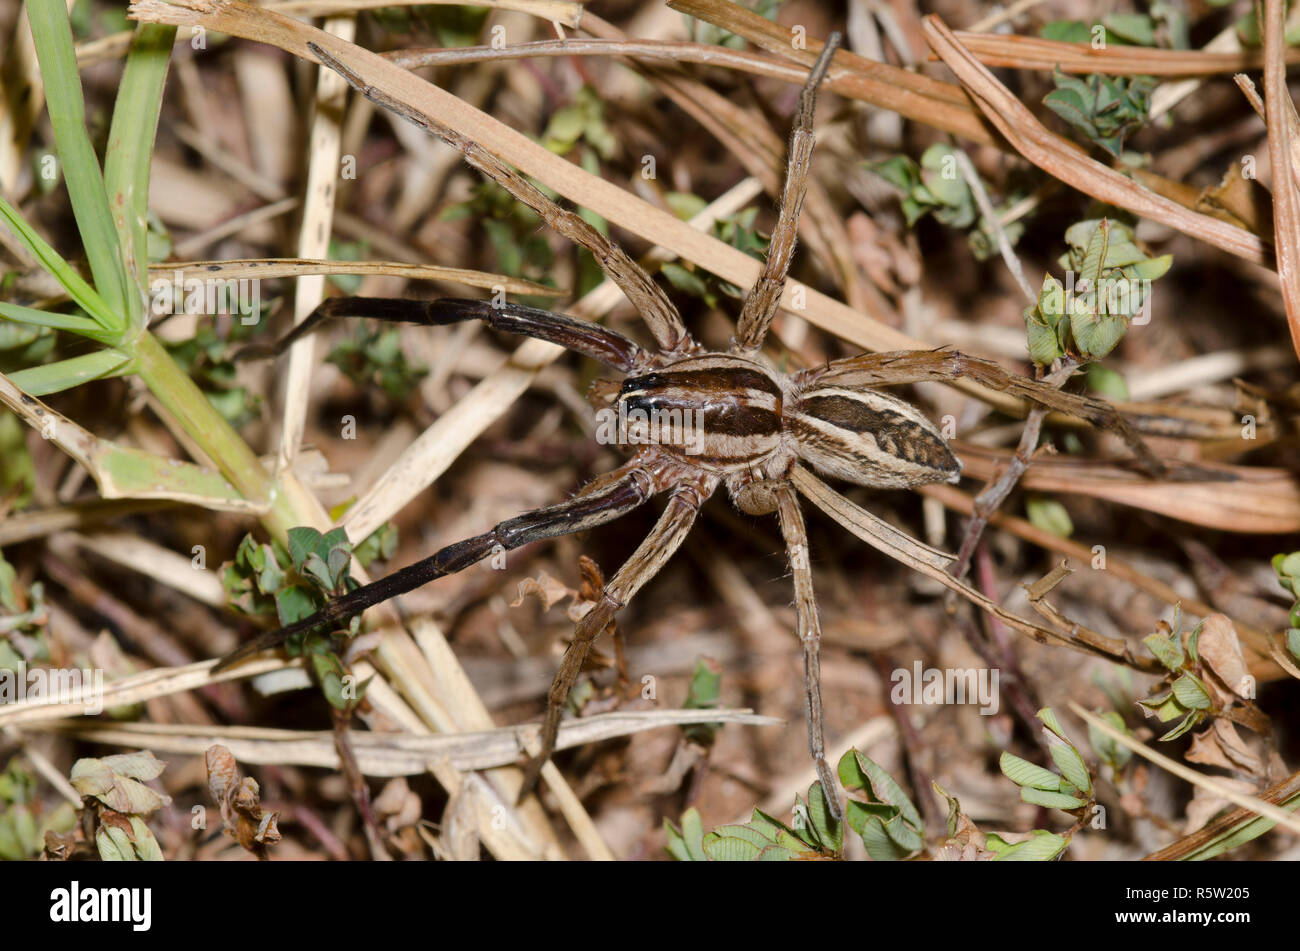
x=153 y=560
x=567 y=12
x=314 y=238
x=1251 y=500
x=1062 y=160
x=391 y=754
x=1032 y=52
x=24 y=526
x=270 y=268
x=1208 y=783
x=125 y=691
x=1283 y=139
x=921 y=98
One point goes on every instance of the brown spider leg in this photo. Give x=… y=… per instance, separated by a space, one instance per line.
x=646 y=296
x=765 y=296
x=810 y=634
x=915 y=366
x=581 y=336
x=650 y=556
x=603 y=500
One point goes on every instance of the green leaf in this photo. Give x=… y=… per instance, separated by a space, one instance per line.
x=1166 y=649
x=1191 y=693
x=1106 y=381
x=1041 y=847
x=62 y=271
x=1106 y=748
x=130 y=149
x=1066 y=31
x=1050 y=516
x=1043 y=342
x=1287 y=565
x=704 y=693
x=686 y=845
x=829 y=832
x=40 y=318
x=869 y=826
x=684 y=204
x=1163 y=705
x=903 y=834
x=684 y=280
x=899 y=170
x=295 y=603
x=1071 y=765
x=1189 y=721
x=303 y=541
x=1050 y=800
x=57 y=377
x=85 y=184
x=1137 y=28
x=564 y=129
x=860 y=772
x=1097 y=334
x=1024 y=773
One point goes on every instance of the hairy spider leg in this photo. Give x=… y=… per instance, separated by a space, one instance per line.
x=604 y=499
x=765 y=296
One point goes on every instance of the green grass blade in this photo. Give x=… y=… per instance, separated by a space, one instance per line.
x=58 y=60
x=130 y=147
x=41 y=318
x=62 y=271
x=64 y=375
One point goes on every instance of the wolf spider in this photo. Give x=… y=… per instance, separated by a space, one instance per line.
x=753 y=423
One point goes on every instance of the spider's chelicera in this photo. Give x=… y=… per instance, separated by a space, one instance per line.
x=693 y=419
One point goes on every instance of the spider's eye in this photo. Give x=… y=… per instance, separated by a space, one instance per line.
x=870 y=438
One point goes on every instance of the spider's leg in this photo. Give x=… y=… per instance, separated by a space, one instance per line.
x=764 y=297
x=915 y=366
x=669 y=532
x=810 y=634
x=581 y=336
x=646 y=296
x=604 y=500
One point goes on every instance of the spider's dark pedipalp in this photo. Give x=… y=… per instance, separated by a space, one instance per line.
x=591 y=340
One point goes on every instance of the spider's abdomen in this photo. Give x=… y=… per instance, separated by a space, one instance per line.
x=870 y=438
x=719 y=412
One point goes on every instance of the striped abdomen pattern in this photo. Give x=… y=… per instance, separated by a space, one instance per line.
x=869 y=437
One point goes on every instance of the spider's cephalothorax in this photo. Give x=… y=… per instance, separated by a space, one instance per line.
x=694 y=419
x=734 y=416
